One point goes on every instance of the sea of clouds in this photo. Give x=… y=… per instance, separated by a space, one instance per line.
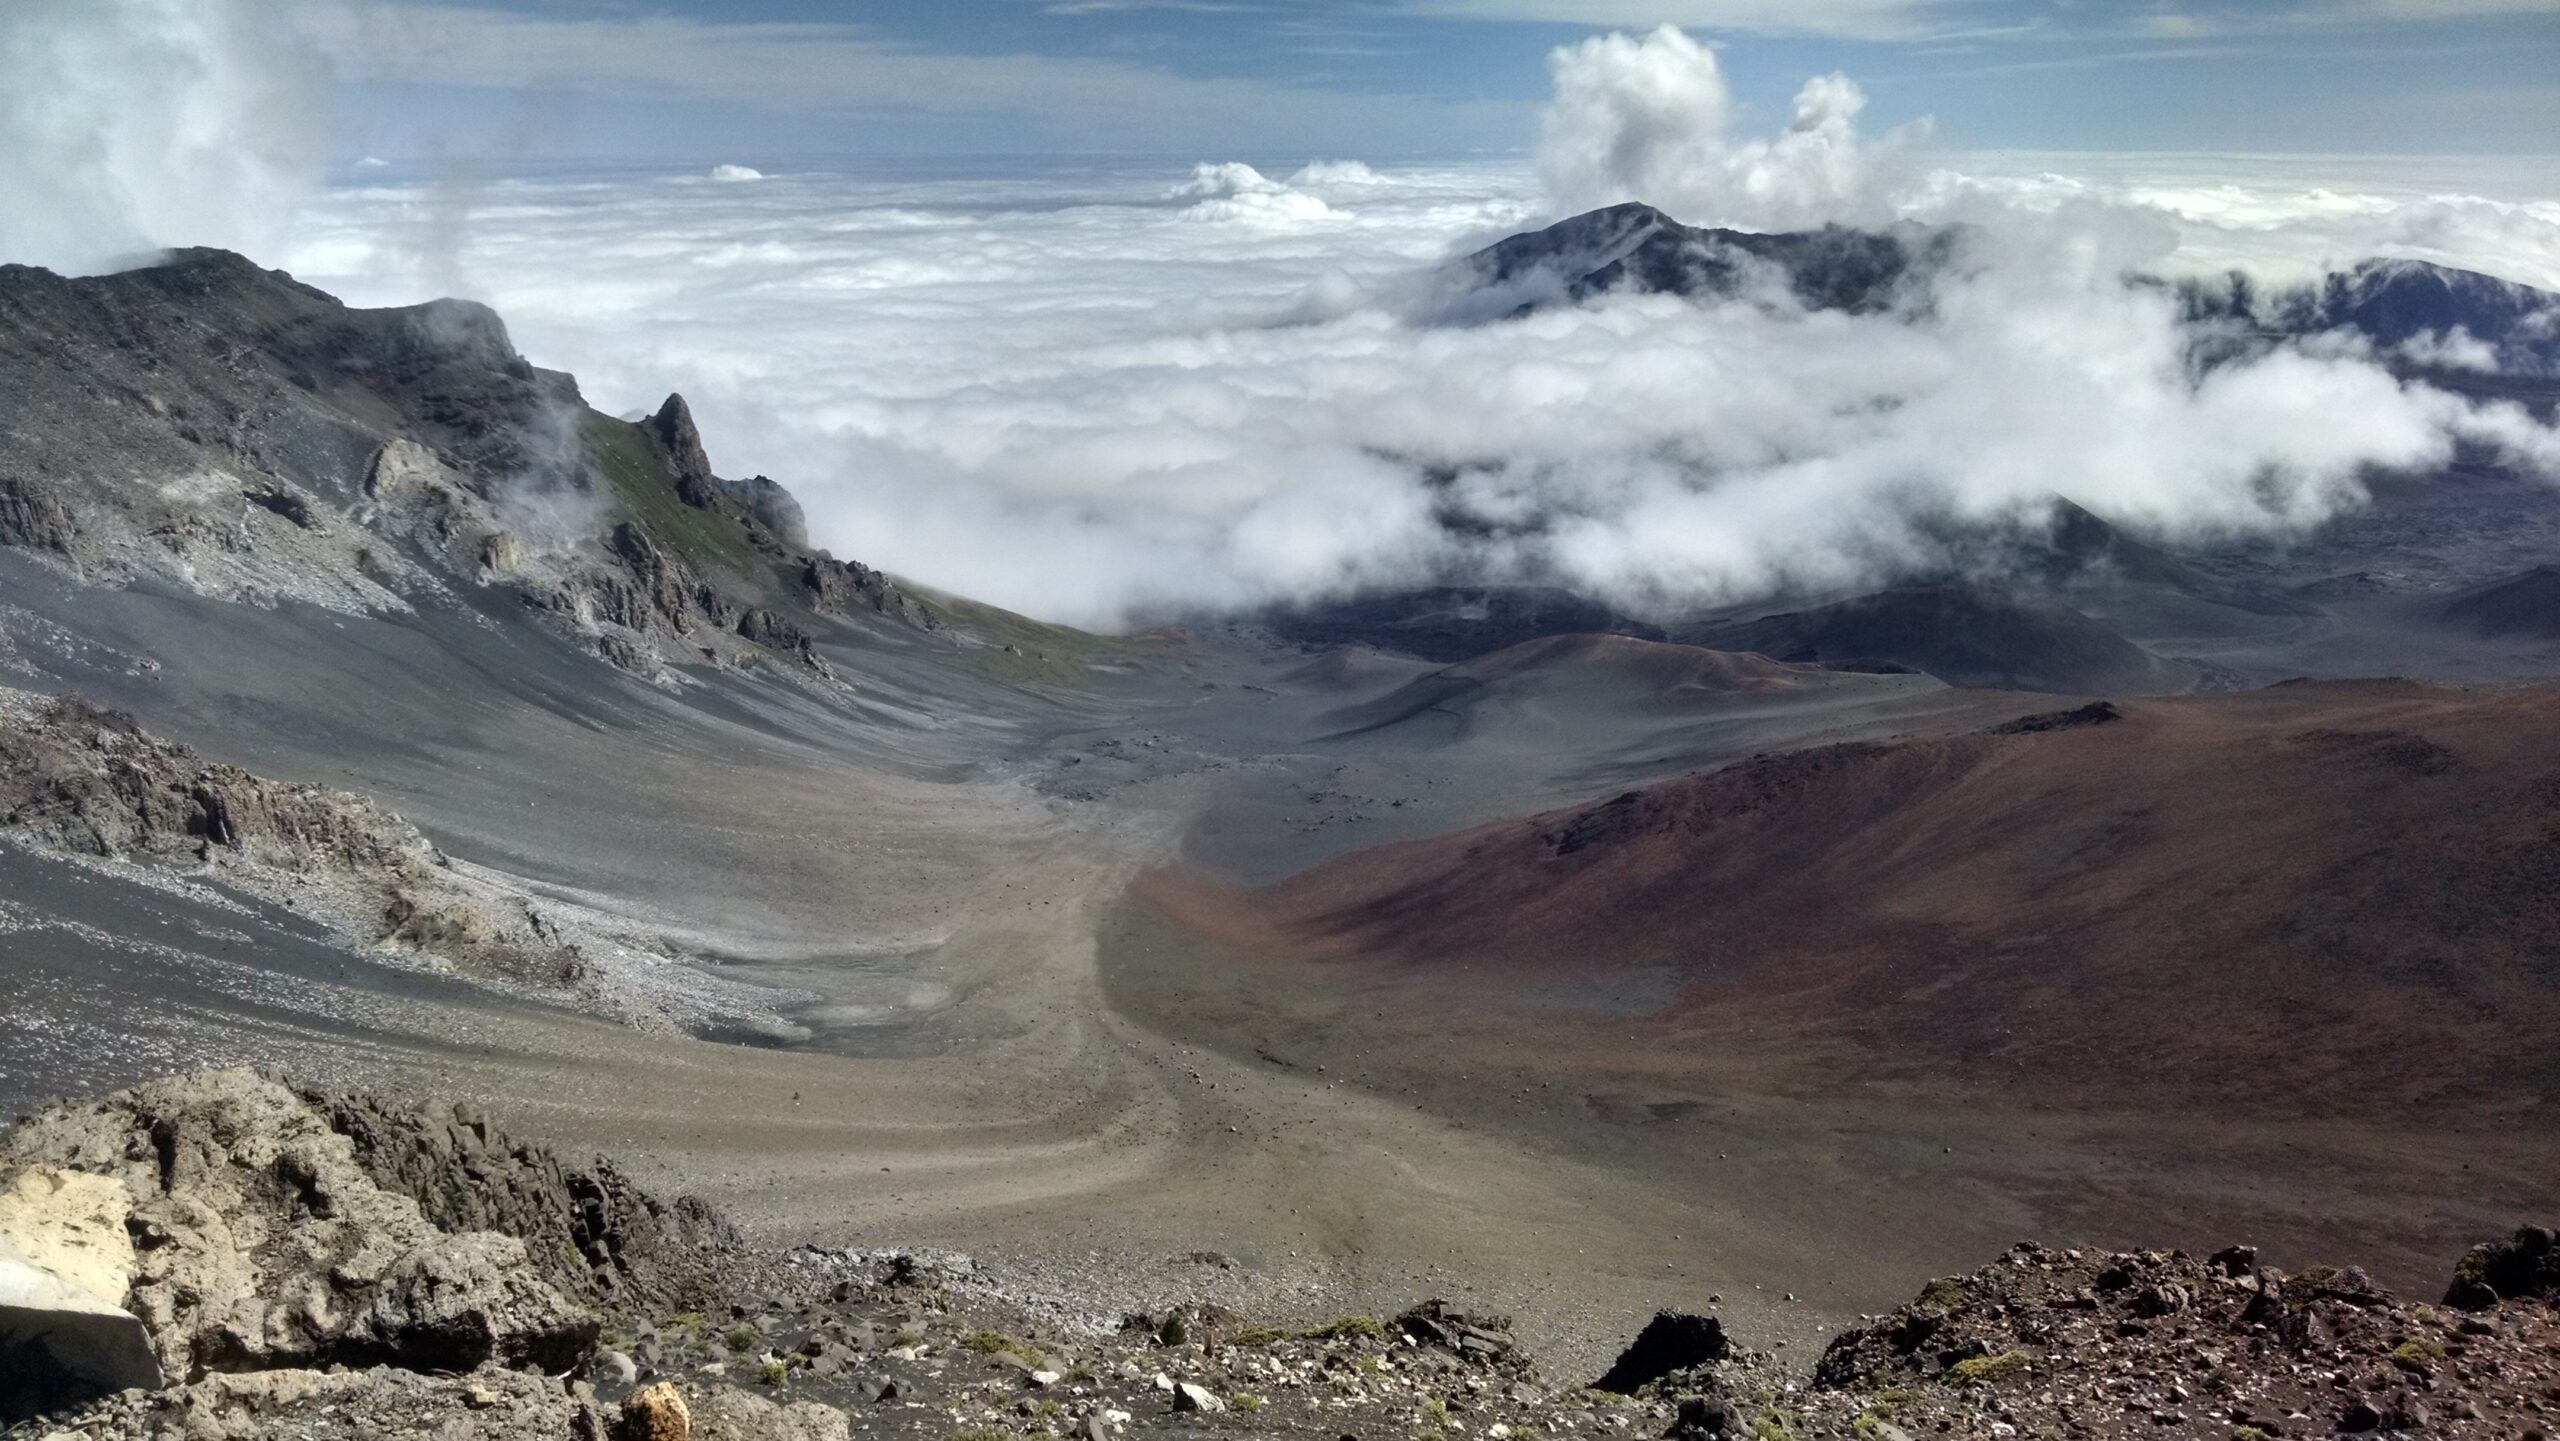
x=1106 y=393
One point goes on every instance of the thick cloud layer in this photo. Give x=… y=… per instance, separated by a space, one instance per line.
x=1099 y=394
x=127 y=125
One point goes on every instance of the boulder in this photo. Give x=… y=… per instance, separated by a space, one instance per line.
x=1671 y=1341
x=2525 y=1264
x=65 y=1263
x=654 y=1413
x=261 y=1244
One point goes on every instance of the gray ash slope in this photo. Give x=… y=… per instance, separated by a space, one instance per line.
x=379 y=552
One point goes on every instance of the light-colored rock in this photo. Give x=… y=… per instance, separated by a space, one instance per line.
x=264 y=1245
x=654 y=1413
x=1188 y=1397
x=65 y=1264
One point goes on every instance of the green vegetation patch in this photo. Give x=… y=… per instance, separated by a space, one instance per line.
x=635 y=473
x=1983 y=1370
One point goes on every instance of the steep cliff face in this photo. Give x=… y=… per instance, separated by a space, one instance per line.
x=212 y=425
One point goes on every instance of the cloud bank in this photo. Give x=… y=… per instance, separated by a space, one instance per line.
x=128 y=125
x=1106 y=394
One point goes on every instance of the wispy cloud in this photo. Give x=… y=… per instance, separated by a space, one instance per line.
x=1843 y=19
x=845 y=68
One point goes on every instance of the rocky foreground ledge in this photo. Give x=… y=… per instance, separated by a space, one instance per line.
x=225 y=1255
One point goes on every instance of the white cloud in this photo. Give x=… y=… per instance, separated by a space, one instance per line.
x=1646 y=118
x=132 y=124
x=1234 y=192
x=736 y=174
x=1845 y=19
x=1064 y=394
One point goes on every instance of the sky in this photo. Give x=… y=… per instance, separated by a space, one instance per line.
x=772 y=80
x=1117 y=310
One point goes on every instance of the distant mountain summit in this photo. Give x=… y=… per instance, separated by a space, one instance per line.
x=1636 y=248
x=2420 y=310
x=2409 y=307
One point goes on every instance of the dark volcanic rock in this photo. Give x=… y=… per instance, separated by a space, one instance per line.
x=2521 y=605
x=1671 y=1341
x=1452 y=623
x=673 y=427
x=2526 y=1264
x=2095 y=713
x=1962 y=634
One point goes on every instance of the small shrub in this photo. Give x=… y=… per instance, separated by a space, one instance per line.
x=1982 y=1370
x=2417 y=1355
x=1944 y=1293
x=775 y=1372
x=743 y=1338
x=995 y=1343
x=1347 y=1328
x=1245 y=1401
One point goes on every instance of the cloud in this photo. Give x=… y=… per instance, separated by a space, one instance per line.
x=1839 y=19
x=855 y=73
x=1237 y=193
x=1646 y=118
x=1062 y=393
x=128 y=125
x=736 y=174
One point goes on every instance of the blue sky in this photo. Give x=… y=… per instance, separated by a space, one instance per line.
x=770 y=80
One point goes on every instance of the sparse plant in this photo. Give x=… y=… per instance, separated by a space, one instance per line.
x=1982 y=1370
x=743 y=1338
x=1347 y=1328
x=996 y=1343
x=2417 y=1355
x=1245 y=1401
x=774 y=1372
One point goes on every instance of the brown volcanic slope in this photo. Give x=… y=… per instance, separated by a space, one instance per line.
x=2333 y=898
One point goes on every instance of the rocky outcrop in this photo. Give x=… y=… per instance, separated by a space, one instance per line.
x=840 y=587
x=261 y=1243
x=1672 y=1341
x=672 y=427
x=33 y=518
x=2525 y=1265
x=79 y=778
x=588 y=1231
